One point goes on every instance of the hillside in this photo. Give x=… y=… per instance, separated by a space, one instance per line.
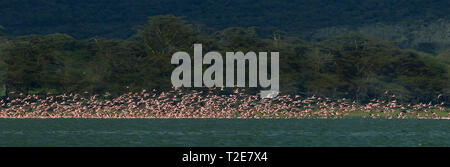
x=307 y=19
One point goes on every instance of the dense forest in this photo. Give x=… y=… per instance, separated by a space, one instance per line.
x=358 y=49
x=352 y=66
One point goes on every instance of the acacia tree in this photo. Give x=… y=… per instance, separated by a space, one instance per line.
x=159 y=39
x=166 y=34
x=33 y=62
x=21 y=67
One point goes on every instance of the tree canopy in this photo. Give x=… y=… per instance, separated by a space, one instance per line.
x=353 y=66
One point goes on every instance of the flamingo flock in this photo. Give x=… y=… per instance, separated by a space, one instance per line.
x=208 y=104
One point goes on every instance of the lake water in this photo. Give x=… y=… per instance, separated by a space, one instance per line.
x=223 y=132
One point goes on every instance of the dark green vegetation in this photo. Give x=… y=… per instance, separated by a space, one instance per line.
x=352 y=66
x=356 y=49
x=212 y=132
x=420 y=24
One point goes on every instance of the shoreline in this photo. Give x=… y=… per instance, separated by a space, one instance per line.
x=177 y=104
x=149 y=118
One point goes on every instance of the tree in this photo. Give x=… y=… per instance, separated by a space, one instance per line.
x=160 y=38
x=166 y=35
x=240 y=39
x=21 y=67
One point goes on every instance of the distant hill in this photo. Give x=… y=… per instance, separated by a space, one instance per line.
x=303 y=18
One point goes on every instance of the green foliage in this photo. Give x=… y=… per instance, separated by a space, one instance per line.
x=352 y=66
x=166 y=35
x=363 y=68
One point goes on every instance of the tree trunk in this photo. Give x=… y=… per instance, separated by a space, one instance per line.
x=6 y=90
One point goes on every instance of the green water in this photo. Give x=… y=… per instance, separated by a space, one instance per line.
x=223 y=132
